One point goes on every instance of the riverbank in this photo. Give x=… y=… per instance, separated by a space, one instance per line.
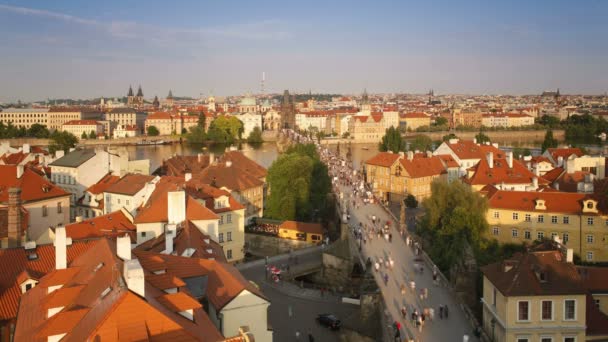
x=525 y=138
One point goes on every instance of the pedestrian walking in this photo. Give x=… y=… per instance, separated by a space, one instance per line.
x=310 y=337
x=445 y=311
x=440 y=311
x=431 y=314
x=425 y=292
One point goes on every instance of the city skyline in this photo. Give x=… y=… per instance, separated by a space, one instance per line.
x=340 y=47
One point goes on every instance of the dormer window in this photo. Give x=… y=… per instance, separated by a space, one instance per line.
x=540 y=204
x=590 y=206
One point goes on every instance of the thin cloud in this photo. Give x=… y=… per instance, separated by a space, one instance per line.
x=262 y=30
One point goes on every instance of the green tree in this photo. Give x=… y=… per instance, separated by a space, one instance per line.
x=225 y=129
x=422 y=143
x=255 y=137
x=153 y=131
x=455 y=216
x=411 y=201
x=196 y=135
x=84 y=135
x=449 y=136
x=62 y=141
x=392 y=141
x=441 y=121
x=92 y=135
x=300 y=184
x=549 y=142
x=38 y=131
x=549 y=121
x=482 y=138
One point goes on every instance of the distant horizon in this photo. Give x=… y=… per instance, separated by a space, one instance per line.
x=70 y=49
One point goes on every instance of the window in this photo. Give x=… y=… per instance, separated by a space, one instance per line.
x=516 y=216
x=229 y=236
x=496 y=214
x=528 y=218
x=221 y=219
x=546 y=339
x=553 y=235
x=590 y=221
x=540 y=235
x=589 y=238
x=597 y=303
x=522 y=339
x=589 y=256
x=541 y=218
x=59 y=208
x=221 y=238
x=494 y=297
x=229 y=218
x=569 y=339
x=514 y=233
x=143 y=234
x=546 y=310
x=553 y=219
x=523 y=311
x=118 y=201
x=565 y=238
x=495 y=230
x=229 y=254
x=566 y=219
x=127 y=202
x=569 y=309
x=606 y=223
x=527 y=235
x=28 y=287
x=44 y=211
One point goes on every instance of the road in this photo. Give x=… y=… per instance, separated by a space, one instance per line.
x=451 y=329
x=293 y=308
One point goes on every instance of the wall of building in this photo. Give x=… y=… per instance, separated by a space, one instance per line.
x=262 y=245
x=250 y=310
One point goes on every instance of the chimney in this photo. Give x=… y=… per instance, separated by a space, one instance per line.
x=535 y=182
x=211 y=158
x=410 y=155
x=200 y=157
x=170 y=232
x=19 y=171
x=59 y=154
x=78 y=219
x=495 y=145
x=123 y=247
x=134 y=276
x=475 y=141
x=429 y=154
x=569 y=255
x=14 y=217
x=560 y=161
x=510 y=159
x=187 y=176
x=26 y=148
x=401 y=155
x=60 y=248
x=536 y=170
x=176 y=207
x=453 y=141
x=490 y=159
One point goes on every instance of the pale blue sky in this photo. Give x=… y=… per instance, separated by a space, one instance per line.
x=84 y=49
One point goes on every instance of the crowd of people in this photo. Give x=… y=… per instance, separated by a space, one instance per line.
x=353 y=193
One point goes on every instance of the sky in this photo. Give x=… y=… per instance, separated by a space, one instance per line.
x=86 y=49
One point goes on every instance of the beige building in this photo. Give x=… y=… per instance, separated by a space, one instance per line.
x=170 y=123
x=58 y=116
x=24 y=117
x=579 y=220
x=77 y=127
x=534 y=297
x=413 y=120
x=126 y=117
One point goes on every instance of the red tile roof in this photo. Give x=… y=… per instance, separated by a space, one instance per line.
x=179 y=301
x=552 y=175
x=423 y=166
x=384 y=159
x=33 y=186
x=415 y=115
x=110 y=225
x=14 y=264
x=103 y=184
x=555 y=202
x=130 y=184
x=230 y=177
x=501 y=173
x=555 y=153
x=467 y=149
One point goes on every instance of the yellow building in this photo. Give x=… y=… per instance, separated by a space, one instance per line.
x=309 y=232
x=414 y=120
x=577 y=219
x=394 y=175
x=534 y=297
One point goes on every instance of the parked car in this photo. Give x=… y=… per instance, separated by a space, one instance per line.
x=329 y=321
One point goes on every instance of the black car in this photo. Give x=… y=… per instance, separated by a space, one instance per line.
x=329 y=321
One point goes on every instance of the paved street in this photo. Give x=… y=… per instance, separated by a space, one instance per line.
x=451 y=329
x=303 y=304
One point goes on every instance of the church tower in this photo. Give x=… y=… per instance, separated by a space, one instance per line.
x=139 y=99
x=169 y=99
x=130 y=97
x=288 y=111
x=156 y=103
x=366 y=106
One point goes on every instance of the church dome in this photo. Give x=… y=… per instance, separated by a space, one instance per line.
x=247 y=101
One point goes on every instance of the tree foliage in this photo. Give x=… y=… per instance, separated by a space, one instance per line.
x=411 y=201
x=299 y=184
x=196 y=135
x=255 y=137
x=153 y=131
x=225 y=129
x=422 y=143
x=482 y=138
x=84 y=135
x=202 y=120
x=447 y=137
x=549 y=142
x=392 y=141
x=8 y=131
x=61 y=140
x=455 y=217
x=92 y=135
x=441 y=121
